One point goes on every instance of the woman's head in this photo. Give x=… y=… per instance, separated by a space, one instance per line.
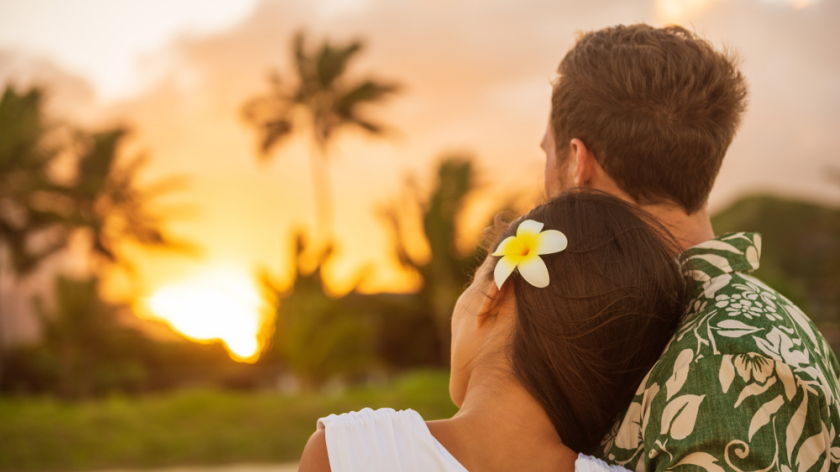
x=582 y=344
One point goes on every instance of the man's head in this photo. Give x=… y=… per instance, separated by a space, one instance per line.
x=647 y=111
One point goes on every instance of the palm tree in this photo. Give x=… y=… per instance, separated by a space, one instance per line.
x=109 y=202
x=314 y=335
x=448 y=269
x=25 y=163
x=38 y=212
x=28 y=233
x=323 y=101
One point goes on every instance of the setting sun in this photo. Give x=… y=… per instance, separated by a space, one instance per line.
x=680 y=10
x=222 y=305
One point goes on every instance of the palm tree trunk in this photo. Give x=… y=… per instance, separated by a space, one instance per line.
x=323 y=194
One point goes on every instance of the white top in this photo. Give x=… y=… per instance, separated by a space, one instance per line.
x=386 y=441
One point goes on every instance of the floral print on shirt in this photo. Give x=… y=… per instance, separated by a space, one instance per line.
x=746 y=384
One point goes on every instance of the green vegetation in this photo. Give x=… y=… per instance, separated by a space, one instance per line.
x=448 y=270
x=315 y=336
x=191 y=427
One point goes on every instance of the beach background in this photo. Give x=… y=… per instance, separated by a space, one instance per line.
x=222 y=220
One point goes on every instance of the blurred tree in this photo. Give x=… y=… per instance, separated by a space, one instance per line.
x=406 y=335
x=26 y=159
x=93 y=351
x=108 y=201
x=28 y=234
x=448 y=269
x=317 y=337
x=39 y=210
x=327 y=101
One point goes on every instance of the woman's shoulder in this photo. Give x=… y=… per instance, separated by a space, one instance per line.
x=315 y=457
x=586 y=463
x=375 y=440
x=369 y=418
x=344 y=428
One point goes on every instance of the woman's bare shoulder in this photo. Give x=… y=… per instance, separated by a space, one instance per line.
x=315 y=457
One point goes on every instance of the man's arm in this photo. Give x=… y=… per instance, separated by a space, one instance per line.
x=739 y=413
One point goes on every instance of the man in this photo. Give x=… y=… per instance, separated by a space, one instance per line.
x=747 y=383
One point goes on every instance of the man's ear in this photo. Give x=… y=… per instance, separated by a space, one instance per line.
x=585 y=165
x=587 y=172
x=495 y=302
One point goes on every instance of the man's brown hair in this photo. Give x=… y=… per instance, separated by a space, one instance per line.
x=658 y=107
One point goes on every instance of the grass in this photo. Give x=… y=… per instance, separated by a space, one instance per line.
x=191 y=427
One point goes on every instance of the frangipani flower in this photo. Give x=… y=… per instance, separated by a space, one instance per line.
x=524 y=251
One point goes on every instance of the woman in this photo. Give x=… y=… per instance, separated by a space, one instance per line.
x=549 y=345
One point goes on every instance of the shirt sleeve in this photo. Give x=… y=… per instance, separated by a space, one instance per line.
x=742 y=413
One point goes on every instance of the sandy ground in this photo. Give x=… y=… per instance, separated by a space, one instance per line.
x=289 y=467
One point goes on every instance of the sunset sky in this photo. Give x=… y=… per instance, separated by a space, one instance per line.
x=476 y=78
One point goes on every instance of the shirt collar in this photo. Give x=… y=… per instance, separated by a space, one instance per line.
x=731 y=252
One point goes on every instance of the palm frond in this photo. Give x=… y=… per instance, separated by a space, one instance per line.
x=98 y=162
x=23 y=126
x=367 y=91
x=371 y=128
x=332 y=62
x=272 y=133
x=299 y=53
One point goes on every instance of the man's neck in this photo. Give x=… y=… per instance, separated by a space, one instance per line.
x=688 y=230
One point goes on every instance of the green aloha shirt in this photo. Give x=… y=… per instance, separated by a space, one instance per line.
x=747 y=383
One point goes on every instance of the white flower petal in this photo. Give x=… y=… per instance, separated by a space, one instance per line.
x=534 y=271
x=505 y=246
x=529 y=227
x=503 y=269
x=550 y=241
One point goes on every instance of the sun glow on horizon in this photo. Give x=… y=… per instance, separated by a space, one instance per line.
x=680 y=10
x=675 y=11
x=221 y=305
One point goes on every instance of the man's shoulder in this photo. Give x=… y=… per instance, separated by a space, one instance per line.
x=737 y=314
x=744 y=363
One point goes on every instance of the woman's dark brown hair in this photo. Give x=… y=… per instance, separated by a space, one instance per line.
x=582 y=345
